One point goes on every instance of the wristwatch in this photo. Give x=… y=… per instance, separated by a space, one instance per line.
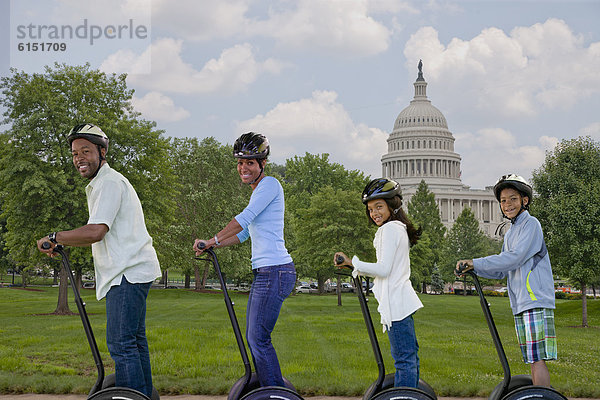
x=52 y=237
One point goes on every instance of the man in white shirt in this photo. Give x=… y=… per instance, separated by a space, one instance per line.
x=125 y=262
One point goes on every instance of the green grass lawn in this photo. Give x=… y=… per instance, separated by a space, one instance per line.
x=323 y=348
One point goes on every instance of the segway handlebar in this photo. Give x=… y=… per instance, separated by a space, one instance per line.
x=491 y=325
x=230 y=310
x=87 y=327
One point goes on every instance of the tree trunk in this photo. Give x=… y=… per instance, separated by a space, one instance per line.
x=321 y=284
x=55 y=278
x=465 y=286
x=338 y=289
x=205 y=276
x=62 y=307
x=24 y=277
x=187 y=281
x=78 y=278
x=584 y=321
x=424 y=290
x=197 y=280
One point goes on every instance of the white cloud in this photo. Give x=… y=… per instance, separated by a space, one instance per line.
x=201 y=20
x=320 y=125
x=498 y=150
x=592 y=130
x=337 y=26
x=543 y=66
x=234 y=70
x=158 y=107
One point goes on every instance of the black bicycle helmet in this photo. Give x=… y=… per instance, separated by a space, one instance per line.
x=89 y=132
x=381 y=188
x=251 y=145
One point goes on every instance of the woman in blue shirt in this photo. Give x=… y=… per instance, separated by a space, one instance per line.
x=272 y=266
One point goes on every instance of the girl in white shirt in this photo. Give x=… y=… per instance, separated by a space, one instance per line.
x=391 y=285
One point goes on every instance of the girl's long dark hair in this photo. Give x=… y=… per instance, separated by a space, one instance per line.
x=398 y=214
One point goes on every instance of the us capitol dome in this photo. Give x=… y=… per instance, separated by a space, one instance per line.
x=421 y=147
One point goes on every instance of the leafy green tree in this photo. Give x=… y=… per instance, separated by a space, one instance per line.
x=304 y=177
x=41 y=190
x=421 y=256
x=307 y=175
x=437 y=282
x=568 y=207
x=209 y=195
x=464 y=241
x=424 y=212
x=334 y=220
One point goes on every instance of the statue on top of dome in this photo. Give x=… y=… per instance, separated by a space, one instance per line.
x=420 y=66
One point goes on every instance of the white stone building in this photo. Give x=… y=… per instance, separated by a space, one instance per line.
x=421 y=147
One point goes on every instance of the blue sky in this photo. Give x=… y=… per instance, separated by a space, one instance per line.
x=513 y=78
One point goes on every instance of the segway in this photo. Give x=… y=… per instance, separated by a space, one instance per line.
x=248 y=386
x=383 y=388
x=104 y=388
x=512 y=387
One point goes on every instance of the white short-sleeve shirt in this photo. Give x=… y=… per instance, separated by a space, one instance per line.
x=126 y=249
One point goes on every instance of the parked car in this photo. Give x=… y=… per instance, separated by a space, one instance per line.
x=347 y=288
x=89 y=285
x=306 y=289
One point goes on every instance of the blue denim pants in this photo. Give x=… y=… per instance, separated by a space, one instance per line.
x=126 y=335
x=404 y=347
x=271 y=286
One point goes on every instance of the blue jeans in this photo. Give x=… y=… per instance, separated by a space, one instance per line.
x=126 y=335
x=404 y=346
x=271 y=286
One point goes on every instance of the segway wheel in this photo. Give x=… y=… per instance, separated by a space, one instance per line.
x=388 y=384
x=240 y=389
x=404 y=393
x=109 y=382
x=272 y=393
x=534 y=392
x=118 y=393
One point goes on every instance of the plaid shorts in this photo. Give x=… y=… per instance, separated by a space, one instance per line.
x=536 y=334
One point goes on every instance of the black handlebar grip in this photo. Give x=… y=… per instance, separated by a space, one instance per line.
x=201 y=246
x=461 y=267
x=46 y=245
x=339 y=260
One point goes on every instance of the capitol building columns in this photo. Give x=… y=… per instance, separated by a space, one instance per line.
x=420 y=147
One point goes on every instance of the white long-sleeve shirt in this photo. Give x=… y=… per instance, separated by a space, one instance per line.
x=391 y=286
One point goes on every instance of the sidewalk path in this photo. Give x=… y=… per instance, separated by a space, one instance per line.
x=186 y=397
x=199 y=397
x=196 y=397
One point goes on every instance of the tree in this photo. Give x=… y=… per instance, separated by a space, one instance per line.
x=41 y=190
x=209 y=195
x=424 y=212
x=333 y=221
x=304 y=177
x=421 y=258
x=568 y=207
x=464 y=241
